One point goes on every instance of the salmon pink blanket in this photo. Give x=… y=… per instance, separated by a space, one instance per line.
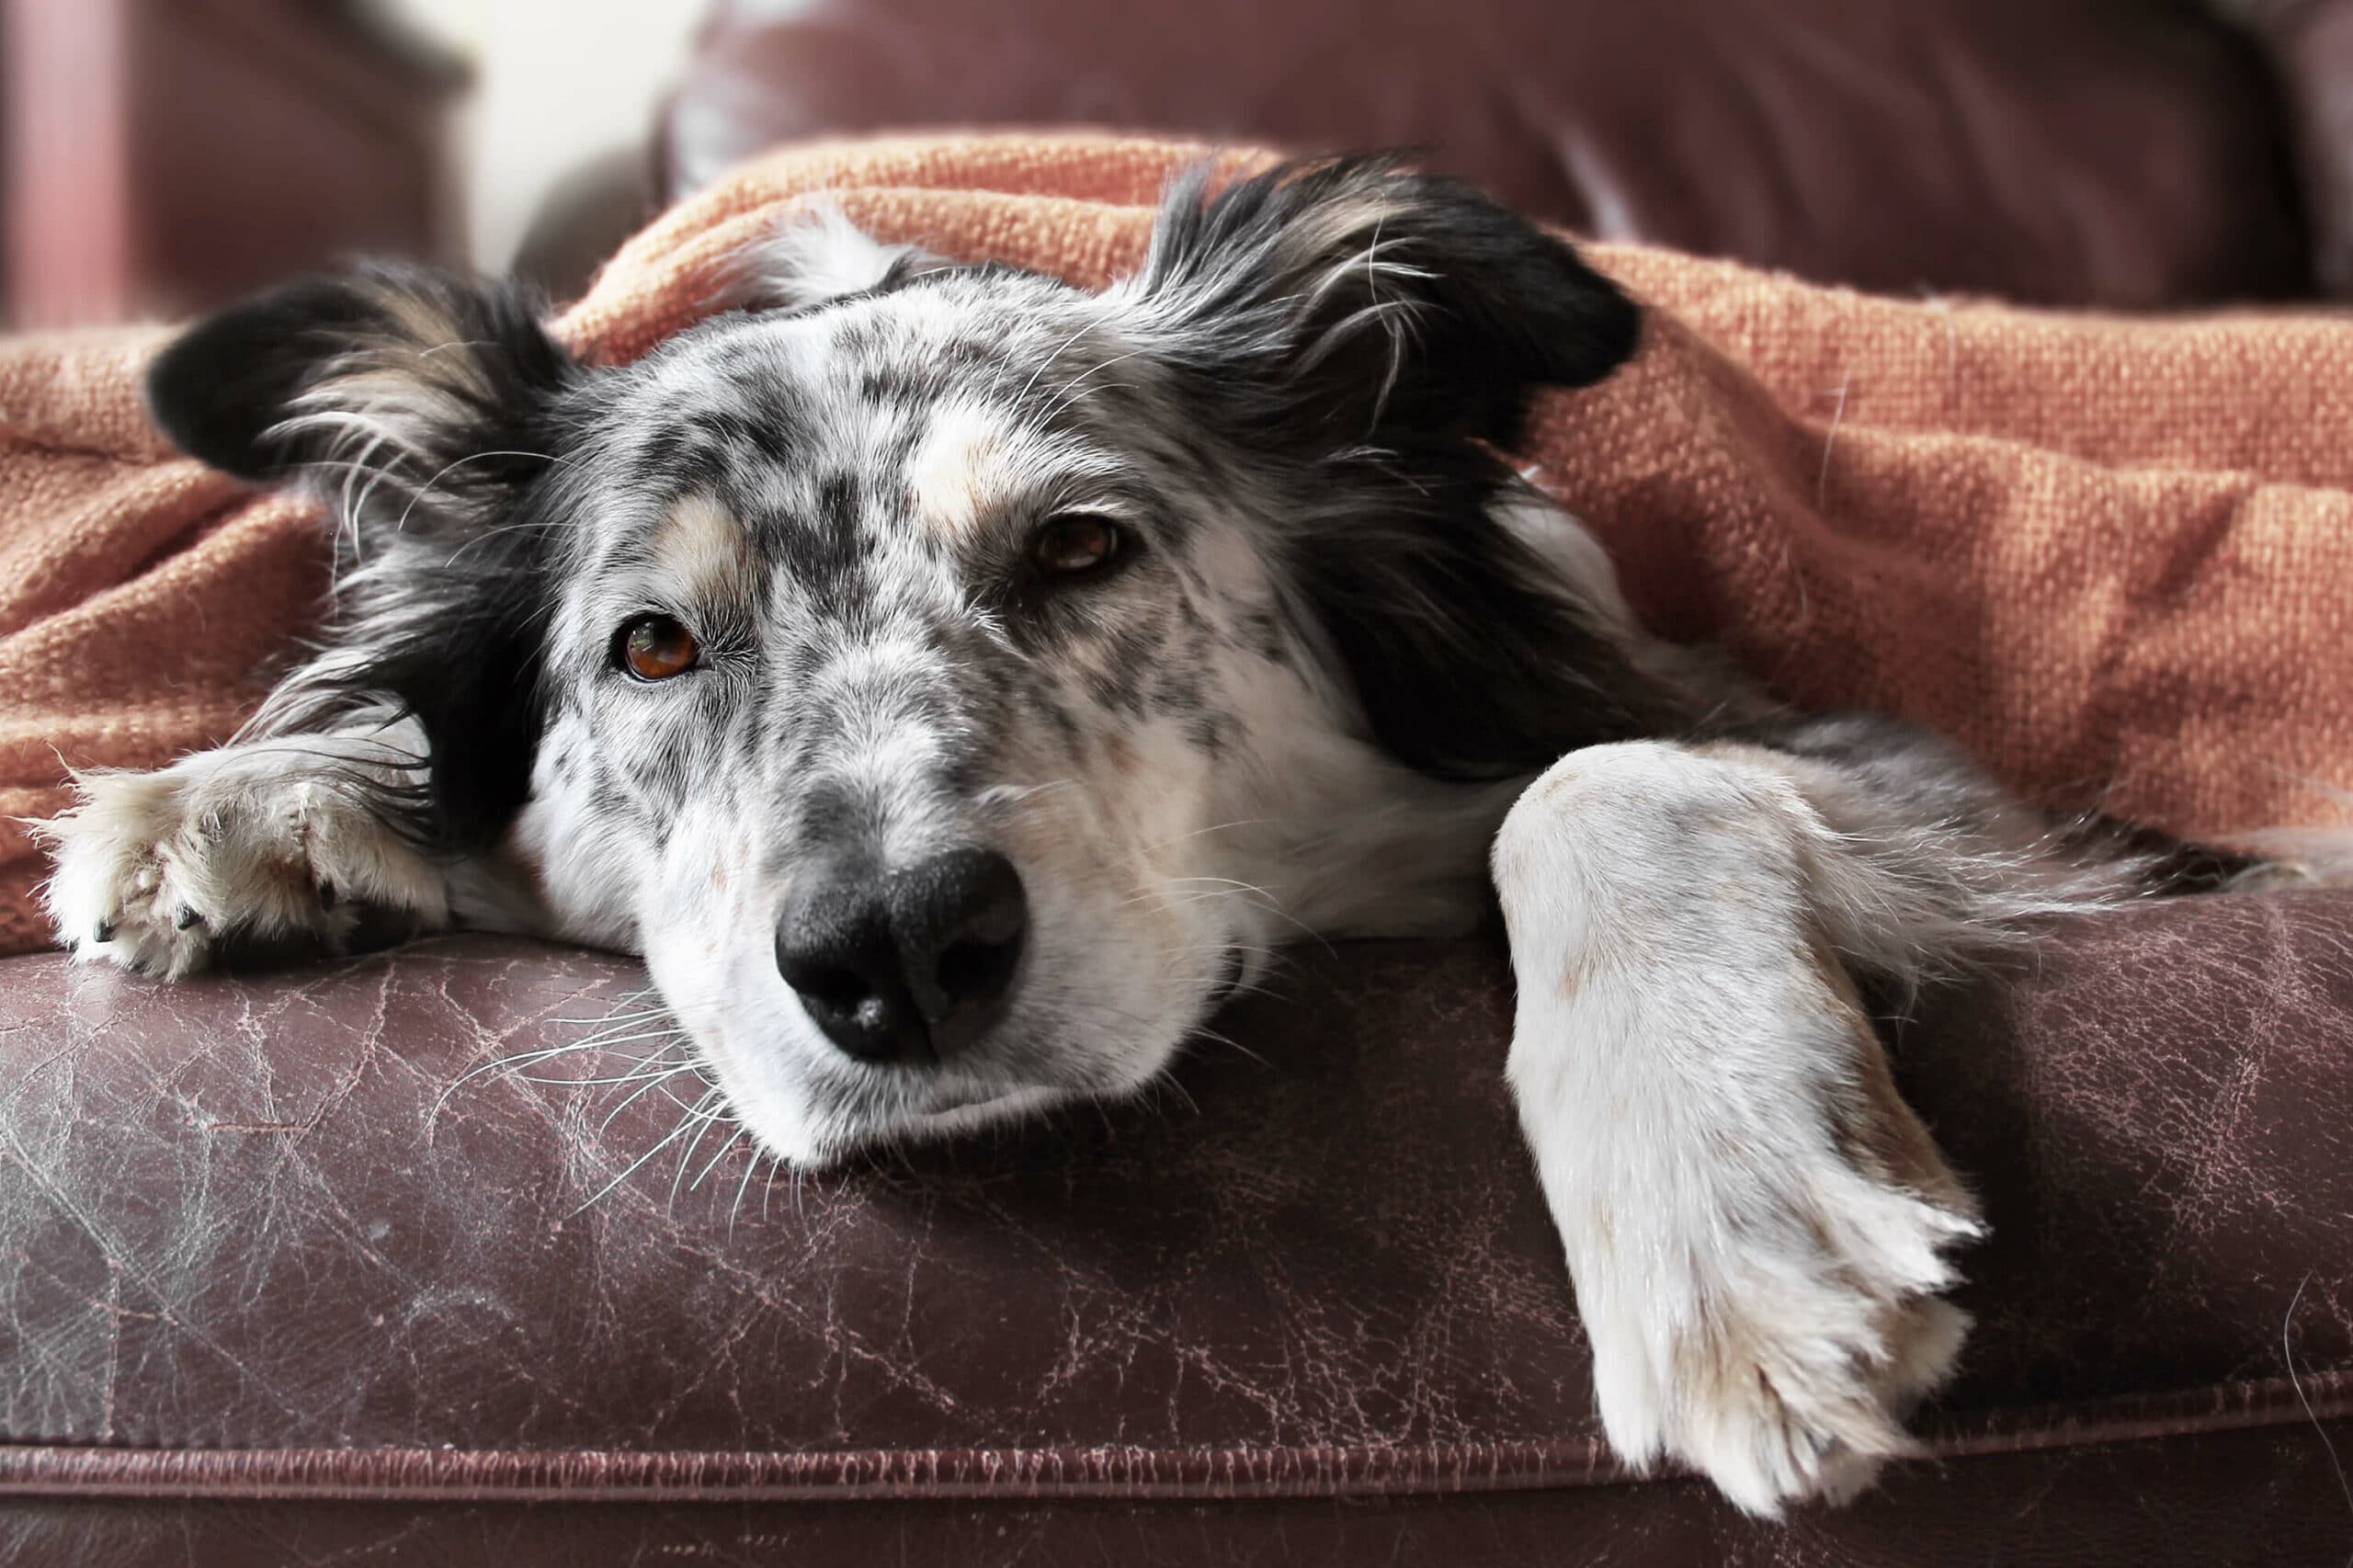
x=2114 y=558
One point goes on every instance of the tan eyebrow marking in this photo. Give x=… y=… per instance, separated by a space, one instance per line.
x=963 y=469
x=701 y=550
x=976 y=464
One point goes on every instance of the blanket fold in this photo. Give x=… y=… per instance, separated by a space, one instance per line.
x=2111 y=557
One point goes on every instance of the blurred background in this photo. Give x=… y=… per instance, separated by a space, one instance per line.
x=161 y=155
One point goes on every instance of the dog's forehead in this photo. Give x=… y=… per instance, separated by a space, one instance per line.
x=837 y=370
x=902 y=421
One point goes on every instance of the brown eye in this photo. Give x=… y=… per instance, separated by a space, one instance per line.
x=656 y=647
x=1074 y=544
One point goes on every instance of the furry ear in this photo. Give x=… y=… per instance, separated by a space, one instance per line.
x=817 y=257
x=409 y=364
x=1353 y=297
x=435 y=402
x=1375 y=336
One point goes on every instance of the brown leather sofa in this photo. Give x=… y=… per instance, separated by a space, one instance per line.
x=2135 y=154
x=292 y=1276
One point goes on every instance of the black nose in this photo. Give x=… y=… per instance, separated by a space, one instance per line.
x=911 y=966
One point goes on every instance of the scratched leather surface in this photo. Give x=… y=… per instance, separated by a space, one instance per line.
x=251 y=1215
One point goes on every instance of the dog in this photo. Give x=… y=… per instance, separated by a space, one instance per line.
x=954 y=683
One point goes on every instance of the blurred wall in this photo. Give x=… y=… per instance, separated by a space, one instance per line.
x=559 y=82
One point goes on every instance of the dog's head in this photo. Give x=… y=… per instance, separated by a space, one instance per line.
x=953 y=680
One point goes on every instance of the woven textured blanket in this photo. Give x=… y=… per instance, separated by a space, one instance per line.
x=2110 y=557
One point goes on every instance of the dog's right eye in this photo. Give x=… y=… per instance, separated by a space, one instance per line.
x=1074 y=544
x=656 y=647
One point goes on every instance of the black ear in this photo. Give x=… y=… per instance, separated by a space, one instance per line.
x=1373 y=337
x=226 y=382
x=429 y=405
x=1351 y=295
x=409 y=359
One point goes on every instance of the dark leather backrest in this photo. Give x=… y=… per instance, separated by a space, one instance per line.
x=2123 y=153
x=2310 y=46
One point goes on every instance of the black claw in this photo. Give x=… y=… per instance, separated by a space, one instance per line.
x=186 y=918
x=102 y=932
x=326 y=895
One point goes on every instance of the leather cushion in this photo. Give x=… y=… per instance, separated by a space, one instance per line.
x=269 y=1237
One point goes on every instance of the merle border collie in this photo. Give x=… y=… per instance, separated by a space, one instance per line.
x=954 y=683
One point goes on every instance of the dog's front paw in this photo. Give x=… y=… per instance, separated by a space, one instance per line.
x=1777 y=1346
x=153 y=870
x=1757 y=1223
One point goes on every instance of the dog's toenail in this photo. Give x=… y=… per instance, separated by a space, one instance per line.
x=102 y=932
x=184 y=918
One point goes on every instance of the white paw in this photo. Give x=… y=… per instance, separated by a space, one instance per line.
x=153 y=870
x=1756 y=1222
x=1778 y=1350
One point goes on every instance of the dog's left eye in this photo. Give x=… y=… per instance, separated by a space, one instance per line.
x=656 y=647
x=1074 y=544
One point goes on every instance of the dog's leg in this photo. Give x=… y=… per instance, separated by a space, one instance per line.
x=1756 y=1221
x=276 y=838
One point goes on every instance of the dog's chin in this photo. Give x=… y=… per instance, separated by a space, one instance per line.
x=812 y=1144
x=955 y=1121
x=817 y=1130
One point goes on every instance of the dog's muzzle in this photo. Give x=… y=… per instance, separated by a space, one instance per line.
x=907 y=966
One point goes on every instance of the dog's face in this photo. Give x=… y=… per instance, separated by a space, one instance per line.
x=951 y=680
